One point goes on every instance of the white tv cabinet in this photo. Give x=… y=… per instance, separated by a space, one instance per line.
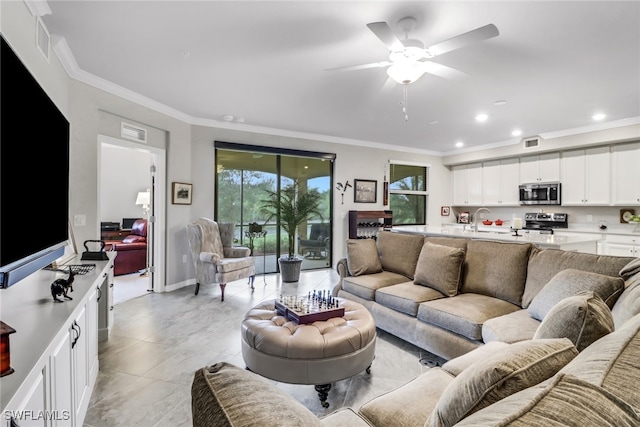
x=54 y=350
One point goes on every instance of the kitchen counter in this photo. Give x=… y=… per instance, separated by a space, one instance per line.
x=584 y=243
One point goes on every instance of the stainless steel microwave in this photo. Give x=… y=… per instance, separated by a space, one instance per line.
x=540 y=193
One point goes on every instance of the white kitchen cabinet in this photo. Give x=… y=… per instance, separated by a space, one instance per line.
x=625 y=174
x=500 y=182
x=540 y=168
x=467 y=185
x=105 y=305
x=623 y=245
x=586 y=177
x=54 y=351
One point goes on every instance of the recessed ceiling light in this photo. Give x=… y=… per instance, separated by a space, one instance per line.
x=228 y=118
x=185 y=53
x=459 y=144
x=516 y=132
x=500 y=103
x=598 y=116
x=435 y=122
x=482 y=117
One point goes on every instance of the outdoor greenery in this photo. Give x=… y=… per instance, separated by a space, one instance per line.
x=293 y=206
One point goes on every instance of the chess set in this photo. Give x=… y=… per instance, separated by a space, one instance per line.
x=316 y=306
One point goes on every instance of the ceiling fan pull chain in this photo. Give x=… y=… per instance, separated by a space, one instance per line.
x=404 y=106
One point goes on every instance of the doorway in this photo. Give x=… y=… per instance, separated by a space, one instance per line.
x=126 y=169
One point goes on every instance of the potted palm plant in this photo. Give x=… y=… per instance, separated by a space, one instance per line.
x=293 y=206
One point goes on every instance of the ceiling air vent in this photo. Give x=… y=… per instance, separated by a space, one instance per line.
x=531 y=142
x=133 y=132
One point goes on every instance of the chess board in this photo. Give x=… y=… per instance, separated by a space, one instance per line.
x=315 y=313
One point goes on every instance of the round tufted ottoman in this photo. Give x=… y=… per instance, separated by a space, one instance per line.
x=318 y=353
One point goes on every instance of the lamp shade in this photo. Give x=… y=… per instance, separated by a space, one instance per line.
x=144 y=198
x=406 y=72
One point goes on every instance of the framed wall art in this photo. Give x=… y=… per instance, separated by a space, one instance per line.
x=445 y=210
x=181 y=193
x=365 y=190
x=463 y=218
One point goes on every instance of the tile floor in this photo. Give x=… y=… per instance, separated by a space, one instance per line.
x=159 y=339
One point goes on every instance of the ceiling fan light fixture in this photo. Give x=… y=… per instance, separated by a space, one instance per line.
x=405 y=72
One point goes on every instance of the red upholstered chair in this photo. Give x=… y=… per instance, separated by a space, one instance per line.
x=132 y=250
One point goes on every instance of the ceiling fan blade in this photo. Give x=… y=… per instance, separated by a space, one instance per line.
x=361 y=67
x=386 y=35
x=473 y=36
x=442 y=71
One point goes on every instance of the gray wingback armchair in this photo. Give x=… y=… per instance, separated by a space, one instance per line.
x=215 y=258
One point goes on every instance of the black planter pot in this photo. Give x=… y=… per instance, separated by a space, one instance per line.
x=290 y=268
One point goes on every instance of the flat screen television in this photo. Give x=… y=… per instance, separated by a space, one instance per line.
x=34 y=173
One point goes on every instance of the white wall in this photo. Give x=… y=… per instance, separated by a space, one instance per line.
x=124 y=172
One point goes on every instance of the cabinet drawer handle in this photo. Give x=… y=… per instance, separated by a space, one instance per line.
x=78 y=332
x=99 y=294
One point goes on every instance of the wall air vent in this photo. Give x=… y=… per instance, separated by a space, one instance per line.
x=133 y=132
x=531 y=142
x=43 y=40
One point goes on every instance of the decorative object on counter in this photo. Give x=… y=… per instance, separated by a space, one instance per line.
x=602 y=225
x=181 y=193
x=498 y=222
x=366 y=191
x=487 y=222
x=88 y=255
x=343 y=188
x=445 y=210
x=5 y=351
x=626 y=215
x=517 y=225
x=62 y=286
x=463 y=218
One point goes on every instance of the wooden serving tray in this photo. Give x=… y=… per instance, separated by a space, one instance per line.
x=315 y=314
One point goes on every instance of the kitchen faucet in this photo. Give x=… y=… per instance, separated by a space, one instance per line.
x=474 y=223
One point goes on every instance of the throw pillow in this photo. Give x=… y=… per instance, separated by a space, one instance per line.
x=362 y=257
x=569 y=282
x=630 y=269
x=440 y=268
x=509 y=370
x=583 y=318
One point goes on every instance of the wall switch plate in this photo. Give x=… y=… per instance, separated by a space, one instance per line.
x=79 y=220
x=184 y=258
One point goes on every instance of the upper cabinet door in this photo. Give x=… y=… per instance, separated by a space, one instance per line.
x=586 y=177
x=467 y=185
x=626 y=174
x=540 y=168
x=500 y=182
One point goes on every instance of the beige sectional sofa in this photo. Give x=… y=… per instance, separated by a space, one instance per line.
x=449 y=295
x=544 y=337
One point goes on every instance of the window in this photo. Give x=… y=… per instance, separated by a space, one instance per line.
x=408 y=192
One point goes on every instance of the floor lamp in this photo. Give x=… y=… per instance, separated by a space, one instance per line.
x=144 y=199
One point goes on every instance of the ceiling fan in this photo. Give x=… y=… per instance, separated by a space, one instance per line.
x=409 y=59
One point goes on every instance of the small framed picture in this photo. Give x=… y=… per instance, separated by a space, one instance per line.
x=445 y=210
x=181 y=193
x=463 y=218
x=365 y=190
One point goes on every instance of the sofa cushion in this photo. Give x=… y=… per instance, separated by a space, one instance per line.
x=546 y=263
x=463 y=314
x=569 y=282
x=458 y=364
x=583 y=318
x=496 y=269
x=410 y=404
x=366 y=285
x=510 y=328
x=362 y=257
x=405 y=297
x=507 y=371
x=226 y=395
x=399 y=252
x=628 y=305
x=612 y=362
x=344 y=417
x=630 y=269
x=563 y=401
x=440 y=267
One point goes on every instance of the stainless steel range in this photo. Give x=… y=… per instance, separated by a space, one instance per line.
x=545 y=223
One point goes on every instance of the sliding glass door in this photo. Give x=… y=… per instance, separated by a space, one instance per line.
x=244 y=177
